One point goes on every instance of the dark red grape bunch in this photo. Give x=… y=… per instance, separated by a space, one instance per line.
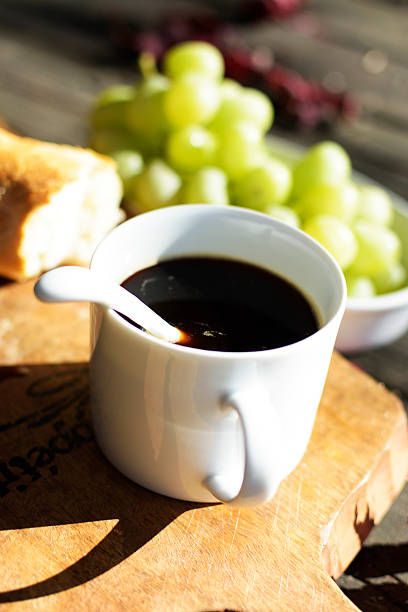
x=300 y=103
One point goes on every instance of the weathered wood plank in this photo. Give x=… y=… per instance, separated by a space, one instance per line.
x=317 y=57
x=364 y=25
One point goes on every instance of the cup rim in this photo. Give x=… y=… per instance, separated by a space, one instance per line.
x=236 y=211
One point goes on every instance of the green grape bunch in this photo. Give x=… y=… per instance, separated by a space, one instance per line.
x=188 y=135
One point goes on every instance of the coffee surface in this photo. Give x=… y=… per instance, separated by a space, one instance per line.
x=224 y=304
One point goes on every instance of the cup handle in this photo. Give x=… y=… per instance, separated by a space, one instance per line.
x=262 y=445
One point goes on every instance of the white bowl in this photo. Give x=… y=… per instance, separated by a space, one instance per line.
x=368 y=322
x=373 y=322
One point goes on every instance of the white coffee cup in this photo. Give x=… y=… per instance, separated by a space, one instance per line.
x=205 y=425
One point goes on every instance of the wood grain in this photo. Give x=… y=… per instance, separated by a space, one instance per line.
x=78 y=535
x=33 y=332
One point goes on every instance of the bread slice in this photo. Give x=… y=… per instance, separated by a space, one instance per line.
x=56 y=203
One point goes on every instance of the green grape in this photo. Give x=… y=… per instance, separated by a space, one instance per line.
x=378 y=248
x=115 y=94
x=109 y=116
x=359 y=286
x=190 y=148
x=325 y=199
x=391 y=278
x=194 y=56
x=374 y=204
x=283 y=213
x=192 y=98
x=156 y=186
x=110 y=140
x=129 y=165
x=207 y=186
x=335 y=236
x=229 y=89
x=145 y=117
x=110 y=107
x=267 y=184
x=246 y=104
x=239 y=148
x=326 y=162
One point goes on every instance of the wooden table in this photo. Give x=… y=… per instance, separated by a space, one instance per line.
x=50 y=68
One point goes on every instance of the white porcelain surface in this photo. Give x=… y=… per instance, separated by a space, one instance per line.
x=205 y=425
x=79 y=284
x=372 y=322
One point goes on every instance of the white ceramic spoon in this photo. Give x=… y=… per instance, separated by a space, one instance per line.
x=76 y=284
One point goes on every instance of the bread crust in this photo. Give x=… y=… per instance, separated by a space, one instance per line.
x=31 y=173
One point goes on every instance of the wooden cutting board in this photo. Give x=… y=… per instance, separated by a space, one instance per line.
x=76 y=535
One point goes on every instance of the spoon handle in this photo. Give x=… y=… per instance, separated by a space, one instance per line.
x=76 y=284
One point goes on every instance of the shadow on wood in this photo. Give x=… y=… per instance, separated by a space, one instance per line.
x=68 y=518
x=380 y=560
x=53 y=473
x=372 y=581
x=387 y=597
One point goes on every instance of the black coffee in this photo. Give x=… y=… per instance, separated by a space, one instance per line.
x=225 y=305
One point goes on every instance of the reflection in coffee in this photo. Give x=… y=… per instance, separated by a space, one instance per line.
x=224 y=304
